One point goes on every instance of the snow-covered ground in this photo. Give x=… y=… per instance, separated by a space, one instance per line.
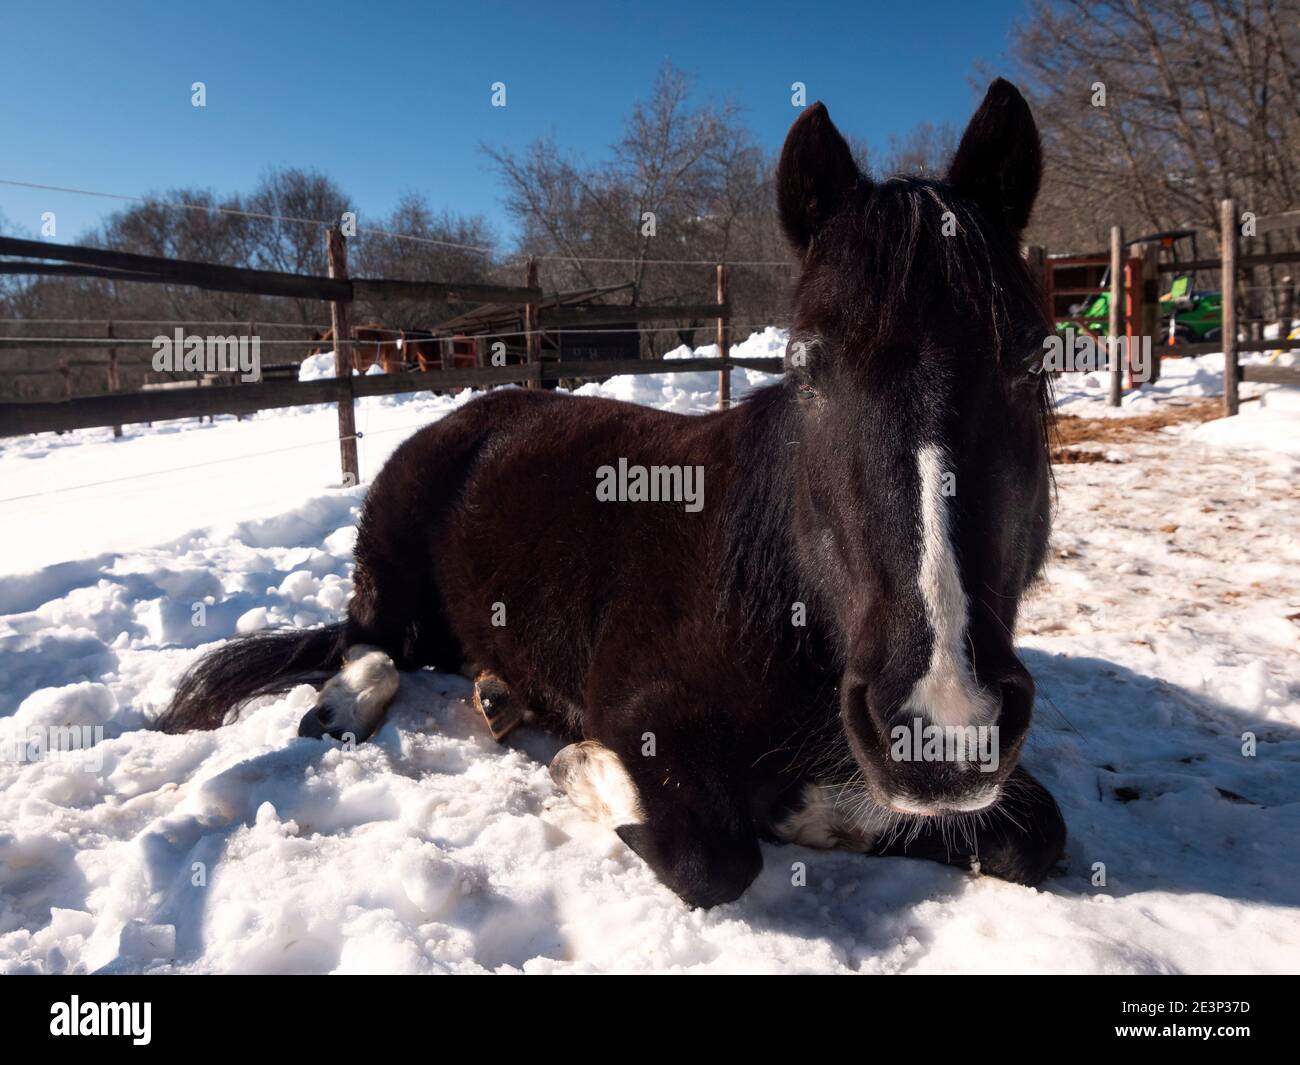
x=1166 y=631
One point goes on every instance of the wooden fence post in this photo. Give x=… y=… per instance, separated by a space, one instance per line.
x=1228 y=283
x=1132 y=312
x=1049 y=291
x=1149 y=305
x=252 y=332
x=1036 y=264
x=1116 y=323
x=65 y=368
x=724 y=342
x=531 y=320
x=114 y=381
x=341 y=320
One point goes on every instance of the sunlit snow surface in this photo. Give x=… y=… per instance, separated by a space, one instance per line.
x=1166 y=629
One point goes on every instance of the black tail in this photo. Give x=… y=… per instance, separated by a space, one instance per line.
x=264 y=663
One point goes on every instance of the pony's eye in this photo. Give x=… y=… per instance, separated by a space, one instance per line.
x=804 y=388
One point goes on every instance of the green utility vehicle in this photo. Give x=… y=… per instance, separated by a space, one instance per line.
x=1196 y=316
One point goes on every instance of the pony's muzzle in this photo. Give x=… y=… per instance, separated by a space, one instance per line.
x=916 y=765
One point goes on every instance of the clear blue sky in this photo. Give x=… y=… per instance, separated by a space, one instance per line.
x=388 y=97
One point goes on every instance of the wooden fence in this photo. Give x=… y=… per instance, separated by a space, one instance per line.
x=339 y=290
x=1135 y=310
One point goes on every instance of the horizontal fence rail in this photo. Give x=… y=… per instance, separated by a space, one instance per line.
x=607 y=314
x=1192 y=348
x=1264 y=258
x=128 y=266
x=1269 y=375
x=125 y=408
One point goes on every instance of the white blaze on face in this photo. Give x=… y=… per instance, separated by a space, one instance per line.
x=947 y=694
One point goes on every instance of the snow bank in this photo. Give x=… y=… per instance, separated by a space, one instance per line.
x=322 y=366
x=1085 y=394
x=1272 y=424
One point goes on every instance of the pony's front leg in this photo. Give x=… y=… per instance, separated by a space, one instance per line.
x=688 y=823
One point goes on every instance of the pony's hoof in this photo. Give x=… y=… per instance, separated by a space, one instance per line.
x=312 y=725
x=351 y=705
x=331 y=717
x=492 y=698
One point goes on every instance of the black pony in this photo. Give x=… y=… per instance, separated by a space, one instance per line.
x=788 y=620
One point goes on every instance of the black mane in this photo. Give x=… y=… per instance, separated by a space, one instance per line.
x=759 y=576
x=896 y=256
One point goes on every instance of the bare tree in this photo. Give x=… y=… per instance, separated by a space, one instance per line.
x=684 y=187
x=924 y=151
x=179 y=224
x=1154 y=110
x=418 y=244
x=295 y=206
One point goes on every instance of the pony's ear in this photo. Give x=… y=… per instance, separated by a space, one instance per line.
x=815 y=176
x=999 y=162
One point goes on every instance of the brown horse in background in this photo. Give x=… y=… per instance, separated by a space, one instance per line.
x=422 y=349
x=371 y=343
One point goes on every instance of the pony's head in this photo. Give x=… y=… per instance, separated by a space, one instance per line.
x=922 y=499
